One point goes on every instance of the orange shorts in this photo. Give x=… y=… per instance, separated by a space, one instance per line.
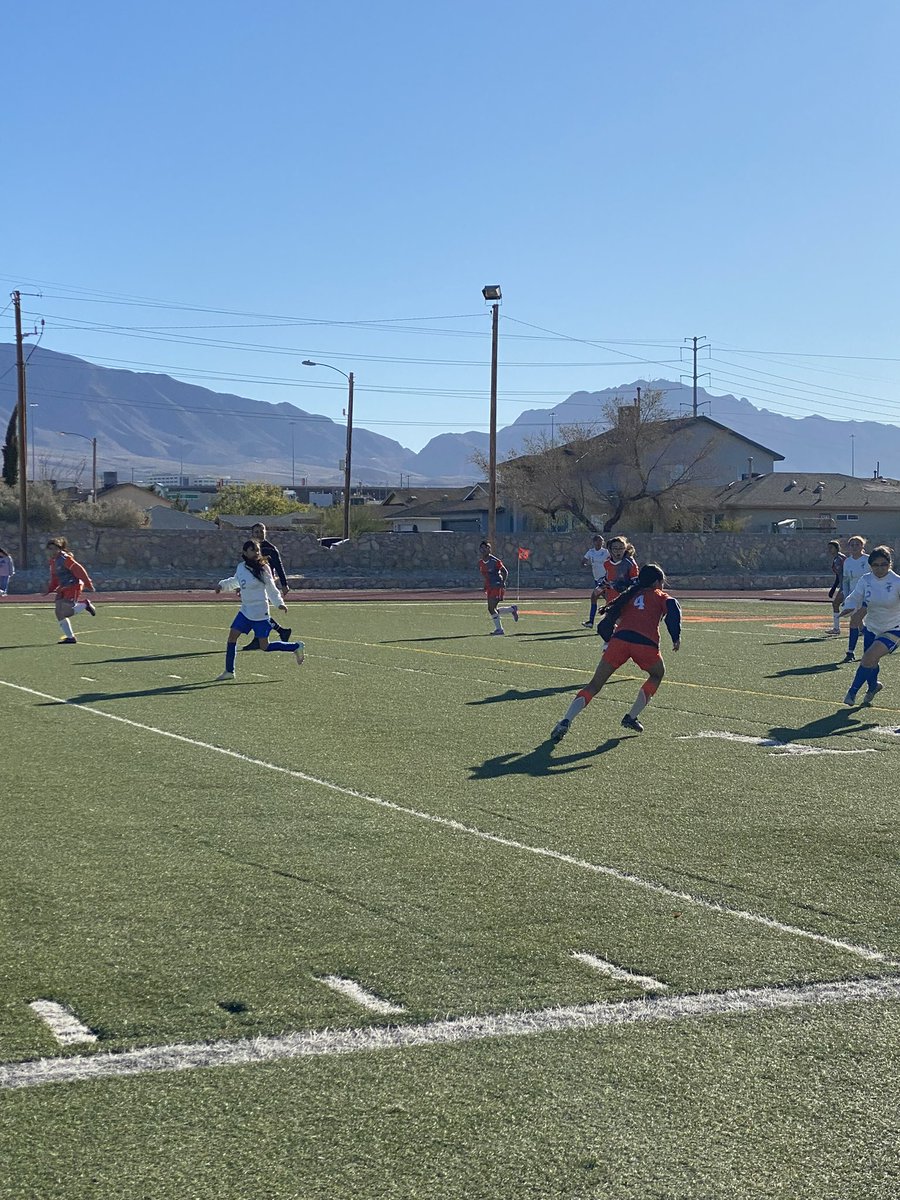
x=618 y=652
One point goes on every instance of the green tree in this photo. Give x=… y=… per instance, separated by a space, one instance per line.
x=362 y=520
x=11 y=451
x=253 y=500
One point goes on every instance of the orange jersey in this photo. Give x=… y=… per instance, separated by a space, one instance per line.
x=640 y=618
x=621 y=573
x=67 y=577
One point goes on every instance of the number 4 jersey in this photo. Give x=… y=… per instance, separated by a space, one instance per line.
x=640 y=618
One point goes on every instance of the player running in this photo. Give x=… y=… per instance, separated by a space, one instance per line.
x=875 y=604
x=68 y=579
x=253 y=576
x=495 y=575
x=856 y=564
x=596 y=558
x=632 y=627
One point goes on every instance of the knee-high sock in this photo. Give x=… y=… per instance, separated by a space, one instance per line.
x=230 y=655
x=80 y=607
x=864 y=675
x=852 y=640
x=292 y=646
x=496 y=620
x=582 y=700
x=593 y=611
x=648 y=689
x=66 y=626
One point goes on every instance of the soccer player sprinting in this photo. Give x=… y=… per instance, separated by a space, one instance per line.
x=636 y=616
x=856 y=564
x=875 y=605
x=68 y=579
x=595 y=558
x=253 y=577
x=495 y=575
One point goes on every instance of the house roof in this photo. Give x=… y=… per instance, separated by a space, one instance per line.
x=805 y=492
x=436 y=502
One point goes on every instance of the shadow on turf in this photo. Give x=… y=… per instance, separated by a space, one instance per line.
x=816 y=669
x=98 y=662
x=539 y=762
x=841 y=722
x=171 y=689
x=567 y=689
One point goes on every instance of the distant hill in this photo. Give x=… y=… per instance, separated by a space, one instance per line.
x=152 y=422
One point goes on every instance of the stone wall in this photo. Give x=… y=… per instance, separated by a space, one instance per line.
x=121 y=560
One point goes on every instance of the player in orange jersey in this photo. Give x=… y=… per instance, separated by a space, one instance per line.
x=494 y=574
x=68 y=579
x=631 y=625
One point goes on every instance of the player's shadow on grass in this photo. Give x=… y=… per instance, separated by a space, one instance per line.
x=445 y=637
x=804 y=641
x=837 y=724
x=518 y=694
x=539 y=762
x=99 y=662
x=815 y=669
x=171 y=689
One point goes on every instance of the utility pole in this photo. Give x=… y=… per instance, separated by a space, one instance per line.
x=696 y=347
x=22 y=433
x=347 y=453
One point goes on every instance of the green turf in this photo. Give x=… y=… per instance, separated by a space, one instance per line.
x=168 y=892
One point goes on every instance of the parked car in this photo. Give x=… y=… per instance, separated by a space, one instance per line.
x=327 y=542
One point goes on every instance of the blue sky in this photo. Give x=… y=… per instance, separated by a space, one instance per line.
x=338 y=181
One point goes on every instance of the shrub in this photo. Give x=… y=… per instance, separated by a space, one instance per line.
x=110 y=514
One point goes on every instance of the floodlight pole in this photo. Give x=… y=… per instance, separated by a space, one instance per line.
x=307 y=362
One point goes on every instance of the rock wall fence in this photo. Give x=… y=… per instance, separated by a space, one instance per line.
x=144 y=559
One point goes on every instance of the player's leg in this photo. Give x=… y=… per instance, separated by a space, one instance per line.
x=65 y=609
x=493 y=599
x=231 y=645
x=655 y=673
x=867 y=671
x=583 y=698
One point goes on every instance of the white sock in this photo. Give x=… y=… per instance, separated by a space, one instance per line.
x=639 y=705
x=496 y=620
x=506 y=608
x=836 y=624
x=80 y=607
x=575 y=707
x=66 y=626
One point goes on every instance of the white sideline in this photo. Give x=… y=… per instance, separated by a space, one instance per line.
x=63 y=1023
x=647 y=982
x=782 y=749
x=354 y=991
x=186 y=1056
x=649 y=885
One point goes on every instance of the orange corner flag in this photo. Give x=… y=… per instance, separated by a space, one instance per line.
x=524 y=554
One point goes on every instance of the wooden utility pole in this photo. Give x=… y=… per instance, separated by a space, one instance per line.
x=22 y=434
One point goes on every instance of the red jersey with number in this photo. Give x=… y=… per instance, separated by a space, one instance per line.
x=640 y=618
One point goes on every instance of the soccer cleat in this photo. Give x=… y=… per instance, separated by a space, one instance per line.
x=254 y=645
x=632 y=723
x=587 y=624
x=850 y=699
x=284 y=634
x=223 y=676
x=496 y=633
x=67 y=641
x=298 y=653
x=849 y=657
x=833 y=633
x=515 y=613
x=90 y=608
x=560 y=729
x=871 y=693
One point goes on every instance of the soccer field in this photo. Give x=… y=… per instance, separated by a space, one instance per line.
x=358 y=929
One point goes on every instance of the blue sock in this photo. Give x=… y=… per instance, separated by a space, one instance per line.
x=593 y=610
x=864 y=675
x=292 y=646
x=854 y=639
x=230 y=655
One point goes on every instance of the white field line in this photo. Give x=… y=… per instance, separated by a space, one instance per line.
x=886 y=730
x=63 y=1023
x=647 y=982
x=185 y=1056
x=353 y=991
x=782 y=749
x=87 y=679
x=649 y=885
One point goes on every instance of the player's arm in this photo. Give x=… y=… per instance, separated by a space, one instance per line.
x=232 y=584
x=854 y=603
x=673 y=621
x=272 y=593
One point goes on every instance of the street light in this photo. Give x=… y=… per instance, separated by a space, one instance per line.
x=309 y=363
x=493 y=296
x=93 y=441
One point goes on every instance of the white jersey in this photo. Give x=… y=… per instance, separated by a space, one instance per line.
x=256 y=594
x=854 y=569
x=881 y=598
x=597 y=559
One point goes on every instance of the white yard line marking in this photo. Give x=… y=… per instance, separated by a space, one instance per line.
x=63 y=1023
x=649 y=885
x=347 y=987
x=174 y=677
x=647 y=982
x=87 y=679
x=184 y=1056
x=782 y=749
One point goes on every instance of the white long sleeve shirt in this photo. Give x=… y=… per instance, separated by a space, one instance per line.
x=881 y=598
x=256 y=594
x=854 y=569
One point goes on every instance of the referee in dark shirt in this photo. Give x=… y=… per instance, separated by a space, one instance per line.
x=271 y=553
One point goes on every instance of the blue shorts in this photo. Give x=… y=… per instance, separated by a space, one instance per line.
x=261 y=629
x=890 y=638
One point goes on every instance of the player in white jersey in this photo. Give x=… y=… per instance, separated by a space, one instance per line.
x=875 y=604
x=595 y=558
x=253 y=578
x=856 y=564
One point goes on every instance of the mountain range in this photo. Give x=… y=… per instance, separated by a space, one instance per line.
x=147 y=422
